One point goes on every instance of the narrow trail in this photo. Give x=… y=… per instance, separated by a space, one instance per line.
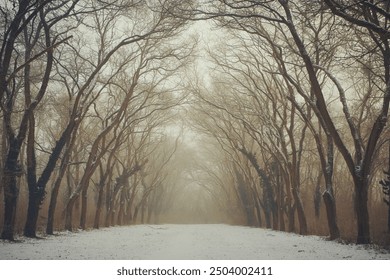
x=207 y=242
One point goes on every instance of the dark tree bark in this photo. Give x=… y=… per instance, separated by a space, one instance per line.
x=34 y=195
x=54 y=195
x=11 y=170
x=83 y=214
x=331 y=213
x=328 y=196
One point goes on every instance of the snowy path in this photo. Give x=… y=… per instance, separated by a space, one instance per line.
x=158 y=242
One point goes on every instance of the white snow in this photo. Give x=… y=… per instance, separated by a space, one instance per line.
x=184 y=242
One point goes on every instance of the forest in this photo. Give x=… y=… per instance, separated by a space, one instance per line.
x=264 y=113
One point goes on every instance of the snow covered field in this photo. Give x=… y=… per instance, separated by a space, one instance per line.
x=191 y=242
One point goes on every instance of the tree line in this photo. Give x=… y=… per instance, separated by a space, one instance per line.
x=295 y=106
x=300 y=91
x=87 y=89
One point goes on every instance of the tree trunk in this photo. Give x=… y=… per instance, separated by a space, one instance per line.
x=330 y=205
x=108 y=204
x=258 y=212
x=143 y=208
x=317 y=199
x=136 y=209
x=300 y=212
x=112 y=218
x=11 y=191
x=329 y=199
x=361 y=204
x=129 y=215
x=282 y=225
x=34 y=192
x=32 y=215
x=69 y=213
x=107 y=220
x=84 y=206
x=291 y=218
x=275 y=218
x=388 y=193
x=120 y=214
x=290 y=206
x=75 y=198
x=267 y=215
x=52 y=207
x=53 y=198
x=99 y=207
x=281 y=205
x=388 y=218
x=2 y=156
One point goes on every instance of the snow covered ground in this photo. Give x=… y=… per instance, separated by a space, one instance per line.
x=184 y=242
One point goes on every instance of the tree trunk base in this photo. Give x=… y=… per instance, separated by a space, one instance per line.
x=7 y=235
x=330 y=206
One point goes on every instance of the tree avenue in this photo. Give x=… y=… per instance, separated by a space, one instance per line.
x=248 y=112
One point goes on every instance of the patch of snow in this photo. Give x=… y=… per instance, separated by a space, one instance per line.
x=184 y=242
